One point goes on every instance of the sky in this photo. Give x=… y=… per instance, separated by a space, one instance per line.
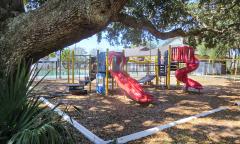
x=91 y=43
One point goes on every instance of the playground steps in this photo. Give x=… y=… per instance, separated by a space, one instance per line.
x=162 y=70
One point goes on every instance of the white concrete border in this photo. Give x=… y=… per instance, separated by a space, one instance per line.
x=88 y=134
x=97 y=140
x=154 y=130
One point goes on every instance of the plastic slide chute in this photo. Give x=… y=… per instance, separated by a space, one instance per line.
x=131 y=86
x=186 y=54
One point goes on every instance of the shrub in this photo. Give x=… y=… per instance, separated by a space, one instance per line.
x=23 y=120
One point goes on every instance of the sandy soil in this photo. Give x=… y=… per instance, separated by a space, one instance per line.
x=116 y=115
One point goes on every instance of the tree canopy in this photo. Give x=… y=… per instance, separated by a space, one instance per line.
x=221 y=19
x=54 y=24
x=143 y=20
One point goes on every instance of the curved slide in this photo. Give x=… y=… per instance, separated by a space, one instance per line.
x=181 y=75
x=131 y=86
x=192 y=64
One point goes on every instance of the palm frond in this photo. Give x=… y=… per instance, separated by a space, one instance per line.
x=23 y=120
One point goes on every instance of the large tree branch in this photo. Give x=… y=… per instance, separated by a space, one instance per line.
x=146 y=25
x=53 y=26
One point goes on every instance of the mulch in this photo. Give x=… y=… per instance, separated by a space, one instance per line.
x=114 y=116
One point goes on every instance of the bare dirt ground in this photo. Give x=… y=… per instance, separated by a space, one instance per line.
x=116 y=115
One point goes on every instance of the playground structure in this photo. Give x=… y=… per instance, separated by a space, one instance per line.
x=116 y=63
x=113 y=63
x=157 y=70
x=186 y=55
x=159 y=59
x=148 y=60
x=105 y=62
x=124 y=81
x=139 y=62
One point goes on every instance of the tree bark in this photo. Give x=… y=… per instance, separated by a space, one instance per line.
x=52 y=27
x=144 y=24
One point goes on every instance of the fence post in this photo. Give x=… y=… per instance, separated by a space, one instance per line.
x=169 y=67
x=73 y=66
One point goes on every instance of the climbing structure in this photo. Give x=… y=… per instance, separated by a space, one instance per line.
x=185 y=54
x=131 y=86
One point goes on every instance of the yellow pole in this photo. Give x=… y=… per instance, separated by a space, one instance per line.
x=111 y=66
x=157 y=67
x=156 y=70
x=73 y=66
x=106 y=80
x=68 y=66
x=169 y=66
x=90 y=73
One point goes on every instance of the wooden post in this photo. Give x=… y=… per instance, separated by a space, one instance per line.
x=169 y=66
x=112 y=83
x=106 y=80
x=73 y=66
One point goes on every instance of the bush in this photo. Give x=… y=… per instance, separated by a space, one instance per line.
x=23 y=120
x=202 y=50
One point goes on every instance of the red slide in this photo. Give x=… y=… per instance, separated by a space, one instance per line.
x=131 y=86
x=186 y=54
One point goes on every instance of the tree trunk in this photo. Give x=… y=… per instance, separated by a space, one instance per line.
x=52 y=27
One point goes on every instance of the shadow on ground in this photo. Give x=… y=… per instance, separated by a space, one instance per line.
x=116 y=115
